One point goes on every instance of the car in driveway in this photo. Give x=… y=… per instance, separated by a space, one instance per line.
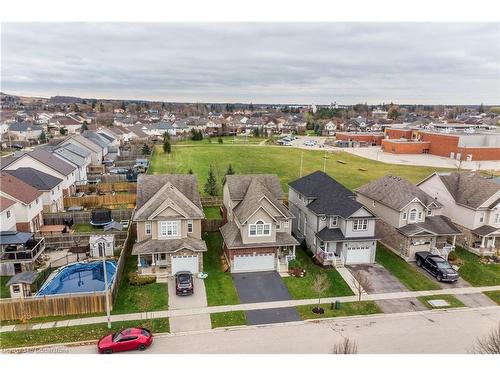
x=184 y=285
x=436 y=266
x=127 y=339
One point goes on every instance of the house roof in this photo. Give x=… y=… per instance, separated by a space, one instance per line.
x=96 y=138
x=151 y=246
x=70 y=156
x=23 y=127
x=157 y=192
x=38 y=179
x=232 y=238
x=5 y=203
x=14 y=237
x=238 y=185
x=395 y=192
x=18 y=189
x=438 y=225
x=87 y=143
x=80 y=151
x=329 y=197
x=52 y=161
x=469 y=188
x=26 y=277
x=335 y=234
x=485 y=230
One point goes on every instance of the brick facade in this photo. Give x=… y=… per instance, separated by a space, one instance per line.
x=397 y=147
x=230 y=253
x=398 y=133
x=440 y=144
x=371 y=138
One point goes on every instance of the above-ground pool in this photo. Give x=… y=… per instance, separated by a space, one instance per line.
x=79 y=278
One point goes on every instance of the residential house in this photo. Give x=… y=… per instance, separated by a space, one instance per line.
x=28 y=213
x=472 y=202
x=410 y=219
x=51 y=187
x=19 y=252
x=76 y=156
x=330 y=128
x=168 y=215
x=337 y=228
x=46 y=162
x=257 y=235
x=99 y=140
x=71 y=125
x=7 y=215
x=96 y=152
x=24 y=131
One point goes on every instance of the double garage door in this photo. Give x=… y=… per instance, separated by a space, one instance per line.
x=358 y=254
x=254 y=263
x=185 y=263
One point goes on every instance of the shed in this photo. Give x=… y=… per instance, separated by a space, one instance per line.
x=102 y=245
x=20 y=284
x=113 y=226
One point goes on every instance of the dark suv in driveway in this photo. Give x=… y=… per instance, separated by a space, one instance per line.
x=184 y=283
x=436 y=266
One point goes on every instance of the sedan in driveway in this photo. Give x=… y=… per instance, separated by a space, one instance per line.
x=184 y=283
x=128 y=339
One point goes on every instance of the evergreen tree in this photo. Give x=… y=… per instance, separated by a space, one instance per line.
x=63 y=131
x=84 y=127
x=230 y=169
x=145 y=149
x=211 y=184
x=167 y=148
x=190 y=171
x=166 y=136
x=43 y=137
x=220 y=140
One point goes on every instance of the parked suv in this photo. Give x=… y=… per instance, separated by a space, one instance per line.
x=436 y=266
x=184 y=283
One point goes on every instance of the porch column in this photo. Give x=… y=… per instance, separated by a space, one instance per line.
x=153 y=260
x=294 y=251
x=138 y=260
x=482 y=241
x=493 y=242
x=454 y=240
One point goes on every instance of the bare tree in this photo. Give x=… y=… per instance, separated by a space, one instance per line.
x=362 y=282
x=320 y=285
x=489 y=344
x=347 y=346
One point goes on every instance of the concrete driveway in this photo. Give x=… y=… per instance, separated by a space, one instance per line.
x=197 y=299
x=381 y=280
x=460 y=283
x=264 y=287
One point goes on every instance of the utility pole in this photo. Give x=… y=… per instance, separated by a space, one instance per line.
x=106 y=291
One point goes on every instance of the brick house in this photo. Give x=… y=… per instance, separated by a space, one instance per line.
x=257 y=236
x=168 y=216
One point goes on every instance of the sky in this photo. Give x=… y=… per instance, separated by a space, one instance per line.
x=303 y=63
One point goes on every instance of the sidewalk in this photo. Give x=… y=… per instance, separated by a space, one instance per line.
x=245 y=307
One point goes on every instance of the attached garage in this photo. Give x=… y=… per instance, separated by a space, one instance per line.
x=185 y=263
x=358 y=254
x=254 y=262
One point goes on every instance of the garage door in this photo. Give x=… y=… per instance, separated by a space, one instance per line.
x=357 y=255
x=252 y=263
x=184 y=263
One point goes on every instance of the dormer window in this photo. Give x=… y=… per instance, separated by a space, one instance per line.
x=404 y=215
x=334 y=221
x=413 y=215
x=259 y=229
x=147 y=228
x=429 y=212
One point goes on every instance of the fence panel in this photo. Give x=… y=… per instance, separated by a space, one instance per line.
x=101 y=200
x=211 y=225
x=211 y=201
x=83 y=217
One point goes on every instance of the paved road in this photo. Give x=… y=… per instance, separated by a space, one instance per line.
x=452 y=331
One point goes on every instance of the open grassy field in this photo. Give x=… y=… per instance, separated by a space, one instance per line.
x=283 y=161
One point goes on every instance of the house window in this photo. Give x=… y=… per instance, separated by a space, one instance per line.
x=373 y=203
x=285 y=224
x=413 y=215
x=321 y=245
x=419 y=215
x=429 y=212
x=481 y=218
x=404 y=215
x=169 y=228
x=147 y=228
x=334 y=221
x=259 y=229
x=36 y=201
x=52 y=191
x=16 y=288
x=190 y=226
x=8 y=214
x=278 y=225
x=360 y=224
x=497 y=218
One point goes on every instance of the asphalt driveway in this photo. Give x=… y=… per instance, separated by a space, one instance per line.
x=264 y=287
x=381 y=280
x=460 y=283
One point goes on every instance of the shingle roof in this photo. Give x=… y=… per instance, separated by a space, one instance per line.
x=5 y=203
x=52 y=161
x=70 y=156
x=26 y=277
x=485 y=230
x=335 y=234
x=38 y=179
x=395 y=192
x=151 y=246
x=329 y=196
x=96 y=138
x=238 y=185
x=232 y=238
x=469 y=189
x=80 y=151
x=23 y=126
x=14 y=237
x=87 y=143
x=438 y=224
x=18 y=189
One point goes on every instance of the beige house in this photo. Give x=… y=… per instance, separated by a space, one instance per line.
x=168 y=217
x=473 y=203
x=410 y=219
x=257 y=236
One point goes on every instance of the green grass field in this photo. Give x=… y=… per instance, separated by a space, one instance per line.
x=212 y=212
x=285 y=162
x=476 y=273
x=346 y=309
x=452 y=300
x=228 y=319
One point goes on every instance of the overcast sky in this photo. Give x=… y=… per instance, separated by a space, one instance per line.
x=254 y=62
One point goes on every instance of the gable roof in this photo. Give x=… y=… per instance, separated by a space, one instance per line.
x=80 y=151
x=87 y=143
x=70 y=156
x=96 y=138
x=52 y=161
x=395 y=192
x=469 y=188
x=238 y=185
x=23 y=127
x=18 y=189
x=176 y=191
x=5 y=203
x=329 y=196
x=437 y=225
x=38 y=179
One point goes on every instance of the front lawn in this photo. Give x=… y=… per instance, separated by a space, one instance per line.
x=212 y=212
x=476 y=273
x=85 y=332
x=302 y=287
x=494 y=296
x=218 y=285
x=346 y=309
x=4 y=290
x=452 y=300
x=228 y=319
x=408 y=275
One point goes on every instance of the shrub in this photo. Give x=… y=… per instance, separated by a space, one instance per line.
x=452 y=256
x=294 y=263
x=135 y=279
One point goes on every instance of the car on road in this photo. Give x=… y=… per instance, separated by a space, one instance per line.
x=436 y=266
x=310 y=142
x=184 y=283
x=127 y=339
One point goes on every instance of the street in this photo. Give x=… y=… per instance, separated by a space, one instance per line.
x=453 y=331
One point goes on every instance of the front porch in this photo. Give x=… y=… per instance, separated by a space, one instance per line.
x=285 y=254
x=485 y=245
x=328 y=254
x=437 y=245
x=152 y=264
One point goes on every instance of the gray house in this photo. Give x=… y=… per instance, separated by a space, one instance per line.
x=337 y=228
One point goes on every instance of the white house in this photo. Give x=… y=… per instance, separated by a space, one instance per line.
x=7 y=214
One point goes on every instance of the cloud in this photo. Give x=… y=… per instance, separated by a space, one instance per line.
x=256 y=62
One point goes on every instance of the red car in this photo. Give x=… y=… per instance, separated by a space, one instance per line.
x=128 y=339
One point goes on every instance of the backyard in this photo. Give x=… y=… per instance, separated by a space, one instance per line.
x=285 y=162
x=219 y=286
x=475 y=272
x=302 y=287
x=399 y=268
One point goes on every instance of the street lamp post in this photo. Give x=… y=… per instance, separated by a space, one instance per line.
x=106 y=291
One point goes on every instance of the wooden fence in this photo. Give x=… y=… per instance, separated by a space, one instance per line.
x=108 y=187
x=83 y=217
x=110 y=201
x=212 y=225
x=120 y=267
x=211 y=201
x=69 y=240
